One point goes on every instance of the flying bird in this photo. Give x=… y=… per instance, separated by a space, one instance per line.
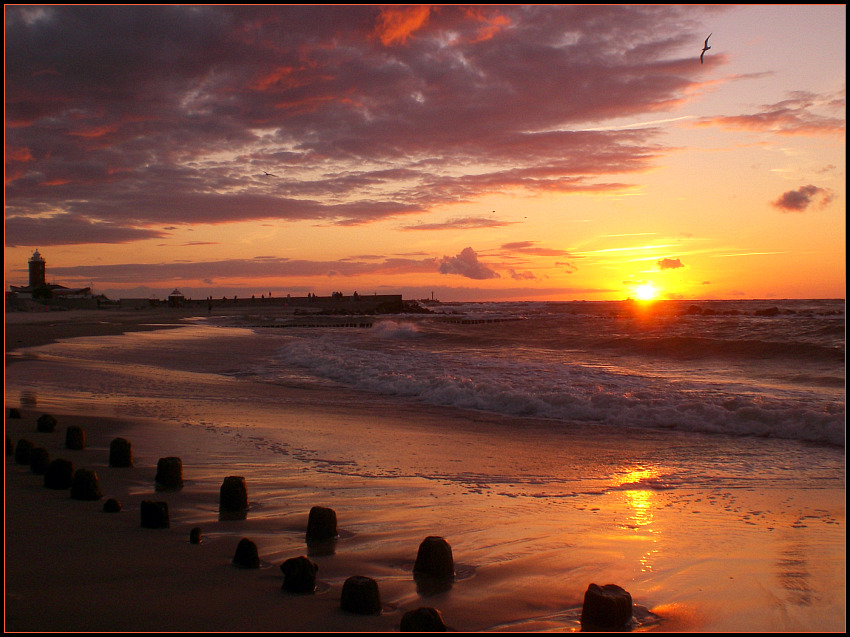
x=705 y=48
x=268 y=174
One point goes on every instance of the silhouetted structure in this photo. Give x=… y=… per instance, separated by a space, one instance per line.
x=50 y=293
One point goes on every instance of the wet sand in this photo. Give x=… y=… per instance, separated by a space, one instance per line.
x=695 y=560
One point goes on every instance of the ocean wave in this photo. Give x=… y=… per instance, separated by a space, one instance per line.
x=701 y=347
x=569 y=392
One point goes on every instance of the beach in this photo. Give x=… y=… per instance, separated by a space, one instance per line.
x=533 y=515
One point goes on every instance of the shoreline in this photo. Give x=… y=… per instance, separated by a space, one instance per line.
x=32 y=329
x=524 y=558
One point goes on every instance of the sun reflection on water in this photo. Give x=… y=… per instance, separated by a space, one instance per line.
x=641 y=503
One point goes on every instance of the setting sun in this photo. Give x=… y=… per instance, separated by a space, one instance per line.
x=646 y=292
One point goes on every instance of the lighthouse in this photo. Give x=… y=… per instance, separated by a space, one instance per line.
x=37 y=271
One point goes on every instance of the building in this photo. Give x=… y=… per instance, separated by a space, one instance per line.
x=38 y=270
x=176 y=299
x=40 y=289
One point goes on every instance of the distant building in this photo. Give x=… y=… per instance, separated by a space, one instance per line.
x=39 y=288
x=176 y=299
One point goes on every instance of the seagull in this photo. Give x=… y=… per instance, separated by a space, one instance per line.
x=268 y=174
x=705 y=48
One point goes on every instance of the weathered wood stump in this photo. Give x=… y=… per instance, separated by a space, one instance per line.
x=23 y=451
x=434 y=559
x=112 y=505
x=154 y=515
x=45 y=423
x=246 y=555
x=169 y=473
x=195 y=535
x=422 y=620
x=39 y=459
x=85 y=485
x=233 y=495
x=606 y=607
x=120 y=453
x=321 y=525
x=299 y=575
x=360 y=595
x=59 y=474
x=75 y=438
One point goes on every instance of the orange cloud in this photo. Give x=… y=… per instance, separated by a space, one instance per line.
x=281 y=76
x=397 y=24
x=18 y=154
x=492 y=23
x=97 y=131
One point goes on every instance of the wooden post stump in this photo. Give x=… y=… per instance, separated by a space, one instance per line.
x=299 y=575
x=434 y=559
x=360 y=595
x=120 y=453
x=321 y=525
x=39 y=460
x=233 y=495
x=169 y=473
x=246 y=555
x=85 y=485
x=45 y=423
x=422 y=620
x=606 y=607
x=75 y=438
x=59 y=474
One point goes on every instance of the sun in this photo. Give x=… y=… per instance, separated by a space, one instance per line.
x=646 y=292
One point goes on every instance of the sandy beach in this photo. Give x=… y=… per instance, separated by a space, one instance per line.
x=726 y=559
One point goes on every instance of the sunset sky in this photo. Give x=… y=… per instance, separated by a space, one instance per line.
x=474 y=152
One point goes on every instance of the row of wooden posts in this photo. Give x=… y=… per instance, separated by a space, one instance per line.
x=606 y=607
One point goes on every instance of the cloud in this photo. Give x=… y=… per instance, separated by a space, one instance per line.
x=569 y=266
x=794 y=116
x=529 y=247
x=225 y=270
x=799 y=200
x=464 y=223
x=397 y=24
x=140 y=117
x=466 y=264
x=670 y=264
x=522 y=276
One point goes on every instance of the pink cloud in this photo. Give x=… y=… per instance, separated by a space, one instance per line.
x=467 y=264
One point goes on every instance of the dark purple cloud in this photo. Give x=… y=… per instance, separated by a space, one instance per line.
x=135 y=119
x=467 y=264
x=799 y=200
x=250 y=269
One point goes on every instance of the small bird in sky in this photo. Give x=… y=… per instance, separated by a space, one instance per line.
x=268 y=174
x=705 y=48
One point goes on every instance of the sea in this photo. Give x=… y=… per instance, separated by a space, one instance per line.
x=691 y=451
x=765 y=368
